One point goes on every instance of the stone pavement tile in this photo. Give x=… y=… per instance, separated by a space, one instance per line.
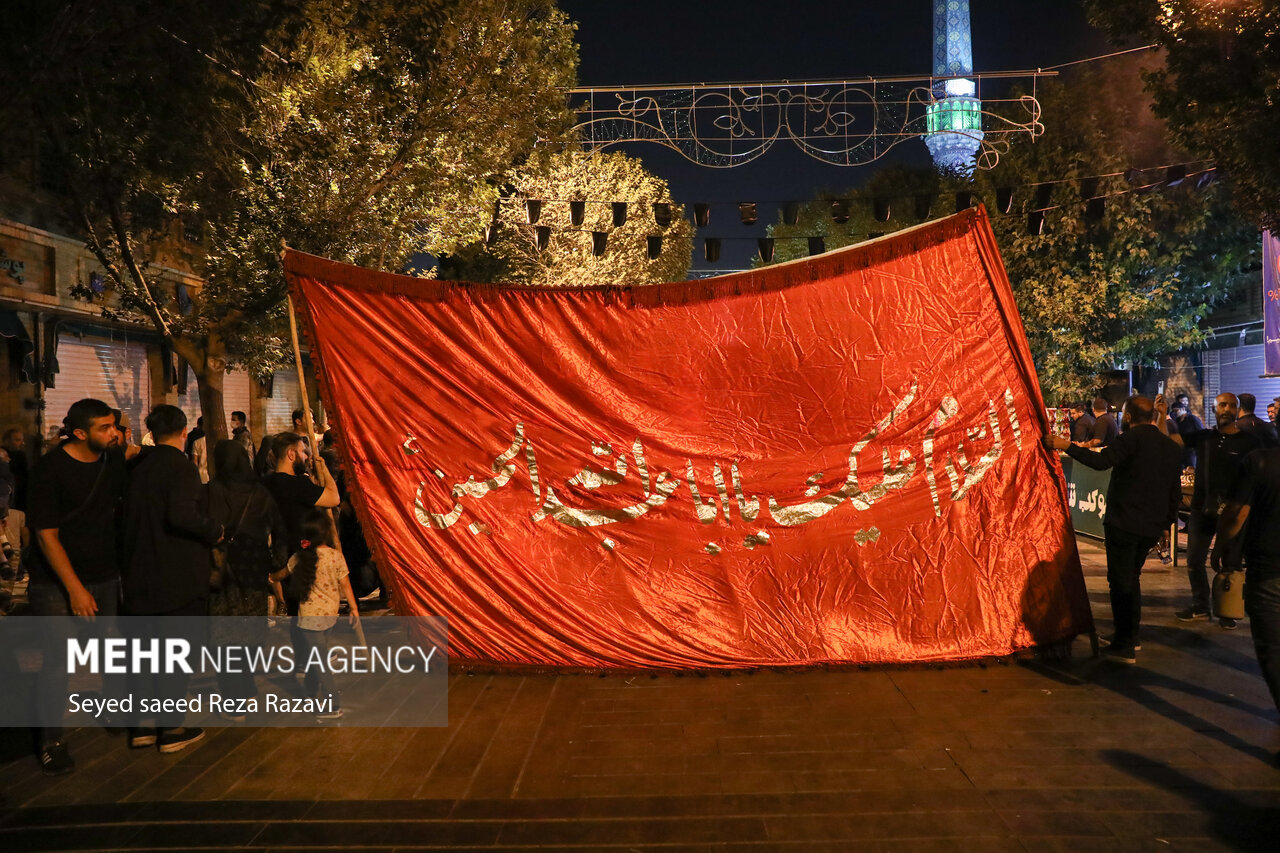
x=979 y=760
x=286 y=762
x=896 y=780
x=214 y=834
x=710 y=830
x=92 y=750
x=242 y=750
x=591 y=744
x=945 y=825
x=375 y=810
x=508 y=750
x=1091 y=799
x=1038 y=823
x=452 y=772
x=33 y=839
x=1093 y=776
x=105 y=813
x=385 y=833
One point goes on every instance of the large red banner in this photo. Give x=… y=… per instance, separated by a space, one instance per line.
x=831 y=460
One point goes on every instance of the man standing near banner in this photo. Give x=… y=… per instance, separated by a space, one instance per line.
x=1256 y=499
x=1142 y=501
x=1219 y=454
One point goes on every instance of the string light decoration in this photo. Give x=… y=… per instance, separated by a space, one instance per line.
x=844 y=122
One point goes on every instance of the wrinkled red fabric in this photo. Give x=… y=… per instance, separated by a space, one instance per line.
x=526 y=459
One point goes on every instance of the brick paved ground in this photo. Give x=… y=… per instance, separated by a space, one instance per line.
x=1175 y=754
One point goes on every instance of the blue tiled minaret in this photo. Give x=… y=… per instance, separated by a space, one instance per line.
x=954 y=119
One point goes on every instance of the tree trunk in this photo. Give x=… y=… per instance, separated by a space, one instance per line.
x=208 y=363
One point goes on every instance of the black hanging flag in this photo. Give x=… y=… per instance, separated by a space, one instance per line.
x=533 y=211
x=711 y=249
x=790 y=213
x=765 y=245
x=747 y=212
x=840 y=210
x=543 y=233
x=924 y=203
x=1004 y=199
x=655 y=246
x=577 y=212
x=701 y=215
x=599 y=241
x=619 y=214
x=662 y=213
x=817 y=245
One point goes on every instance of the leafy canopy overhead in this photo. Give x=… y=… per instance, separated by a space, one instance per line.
x=598 y=179
x=1219 y=88
x=1093 y=295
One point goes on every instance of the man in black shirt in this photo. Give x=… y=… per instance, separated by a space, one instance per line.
x=293 y=490
x=1256 y=498
x=1219 y=452
x=1081 y=423
x=1105 y=429
x=240 y=432
x=1142 y=502
x=1251 y=423
x=75 y=489
x=167 y=563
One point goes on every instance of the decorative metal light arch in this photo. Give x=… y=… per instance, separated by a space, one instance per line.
x=845 y=122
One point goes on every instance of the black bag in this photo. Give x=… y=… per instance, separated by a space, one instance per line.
x=244 y=558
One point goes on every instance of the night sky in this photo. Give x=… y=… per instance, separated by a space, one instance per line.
x=715 y=41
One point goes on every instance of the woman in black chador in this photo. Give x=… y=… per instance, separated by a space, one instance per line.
x=255 y=544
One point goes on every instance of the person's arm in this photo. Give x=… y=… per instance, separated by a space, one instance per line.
x=1099 y=460
x=83 y=604
x=329 y=498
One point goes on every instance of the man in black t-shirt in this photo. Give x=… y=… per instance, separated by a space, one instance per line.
x=1081 y=423
x=1256 y=499
x=293 y=490
x=1105 y=429
x=1249 y=422
x=74 y=493
x=1219 y=453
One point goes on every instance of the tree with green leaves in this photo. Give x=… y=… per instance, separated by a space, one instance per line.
x=1219 y=87
x=597 y=179
x=360 y=131
x=1095 y=292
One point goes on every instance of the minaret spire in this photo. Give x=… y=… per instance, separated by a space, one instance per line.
x=954 y=119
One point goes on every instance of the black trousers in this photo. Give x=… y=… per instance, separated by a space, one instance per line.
x=1202 y=527
x=1262 y=603
x=1126 y=552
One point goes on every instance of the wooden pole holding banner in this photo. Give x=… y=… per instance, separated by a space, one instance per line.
x=311 y=439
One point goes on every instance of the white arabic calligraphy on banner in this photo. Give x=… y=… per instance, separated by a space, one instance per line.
x=962 y=475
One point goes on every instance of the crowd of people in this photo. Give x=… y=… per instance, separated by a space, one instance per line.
x=1233 y=516
x=156 y=532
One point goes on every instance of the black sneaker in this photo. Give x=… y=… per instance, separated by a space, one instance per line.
x=55 y=760
x=1111 y=641
x=1121 y=654
x=174 y=740
x=1227 y=623
x=1191 y=614
x=141 y=738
